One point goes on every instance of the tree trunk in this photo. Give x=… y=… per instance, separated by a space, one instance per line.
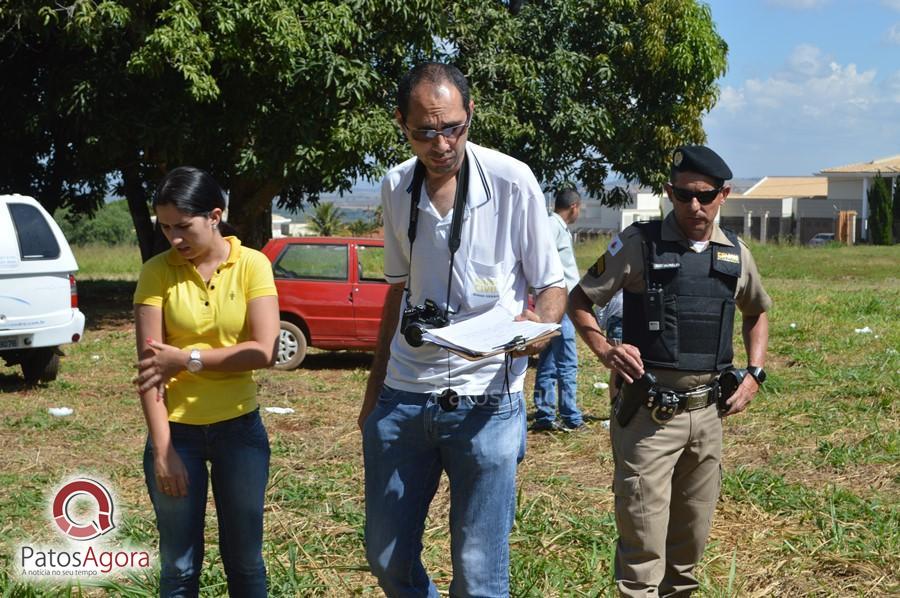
x=140 y=213
x=250 y=210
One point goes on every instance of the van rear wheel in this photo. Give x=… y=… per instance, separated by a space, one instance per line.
x=291 y=346
x=42 y=365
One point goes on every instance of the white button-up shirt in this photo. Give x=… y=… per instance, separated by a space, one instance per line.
x=505 y=249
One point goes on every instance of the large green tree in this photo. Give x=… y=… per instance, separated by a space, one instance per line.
x=293 y=98
x=578 y=88
x=274 y=97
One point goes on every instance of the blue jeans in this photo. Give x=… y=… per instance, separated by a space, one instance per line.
x=408 y=440
x=558 y=367
x=614 y=328
x=238 y=452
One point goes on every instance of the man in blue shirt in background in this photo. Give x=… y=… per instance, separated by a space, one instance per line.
x=558 y=364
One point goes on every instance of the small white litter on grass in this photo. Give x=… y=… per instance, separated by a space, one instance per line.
x=280 y=410
x=793 y=325
x=601 y=385
x=95 y=358
x=60 y=411
x=864 y=330
x=605 y=424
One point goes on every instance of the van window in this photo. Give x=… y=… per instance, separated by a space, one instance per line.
x=371 y=263
x=36 y=238
x=318 y=262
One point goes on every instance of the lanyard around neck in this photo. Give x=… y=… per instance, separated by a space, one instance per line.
x=459 y=205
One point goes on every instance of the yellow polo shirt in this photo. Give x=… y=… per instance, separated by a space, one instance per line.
x=200 y=315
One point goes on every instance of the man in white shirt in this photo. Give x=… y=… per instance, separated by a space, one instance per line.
x=557 y=368
x=427 y=410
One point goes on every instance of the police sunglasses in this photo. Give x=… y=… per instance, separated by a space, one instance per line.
x=687 y=195
x=450 y=133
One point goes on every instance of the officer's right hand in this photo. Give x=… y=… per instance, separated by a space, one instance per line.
x=624 y=360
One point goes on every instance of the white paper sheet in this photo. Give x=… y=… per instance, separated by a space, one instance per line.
x=487 y=332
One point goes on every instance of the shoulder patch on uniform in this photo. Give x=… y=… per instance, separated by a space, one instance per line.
x=598 y=267
x=728 y=257
x=615 y=245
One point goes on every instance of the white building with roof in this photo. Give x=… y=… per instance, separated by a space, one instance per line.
x=850 y=185
x=779 y=207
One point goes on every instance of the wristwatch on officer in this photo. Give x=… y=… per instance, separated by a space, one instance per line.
x=758 y=373
x=194 y=364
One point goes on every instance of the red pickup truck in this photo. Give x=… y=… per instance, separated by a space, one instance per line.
x=330 y=294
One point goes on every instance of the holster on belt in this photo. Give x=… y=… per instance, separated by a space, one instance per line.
x=631 y=397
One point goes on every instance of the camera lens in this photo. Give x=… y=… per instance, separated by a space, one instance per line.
x=448 y=400
x=413 y=335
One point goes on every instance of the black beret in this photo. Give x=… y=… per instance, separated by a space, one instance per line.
x=702 y=160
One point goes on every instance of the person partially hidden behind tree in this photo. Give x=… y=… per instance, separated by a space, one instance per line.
x=682 y=279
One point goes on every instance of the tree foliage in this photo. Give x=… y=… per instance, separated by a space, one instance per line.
x=110 y=225
x=327 y=220
x=273 y=97
x=881 y=212
x=292 y=98
x=579 y=88
x=896 y=227
x=362 y=227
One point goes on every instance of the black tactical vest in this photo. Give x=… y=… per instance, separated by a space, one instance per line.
x=694 y=332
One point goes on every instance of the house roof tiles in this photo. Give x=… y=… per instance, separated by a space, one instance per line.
x=884 y=165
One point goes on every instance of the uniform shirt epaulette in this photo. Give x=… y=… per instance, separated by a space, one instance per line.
x=726 y=229
x=630 y=231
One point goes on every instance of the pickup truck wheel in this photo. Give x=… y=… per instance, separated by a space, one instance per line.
x=291 y=347
x=42 y=365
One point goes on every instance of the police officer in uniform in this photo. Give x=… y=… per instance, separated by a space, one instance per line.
x=682 y=279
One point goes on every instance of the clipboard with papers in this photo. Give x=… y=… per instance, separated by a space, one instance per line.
x=494 y=332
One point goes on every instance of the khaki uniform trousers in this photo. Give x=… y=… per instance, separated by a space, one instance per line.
x=666 y=483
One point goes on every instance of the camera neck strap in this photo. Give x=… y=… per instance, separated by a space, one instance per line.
x=459 y=206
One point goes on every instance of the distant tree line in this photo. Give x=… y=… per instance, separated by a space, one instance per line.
x=328 y=221
x=109 y=225
x=293 y=98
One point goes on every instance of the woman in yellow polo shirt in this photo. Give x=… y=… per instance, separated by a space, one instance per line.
x=206 y=315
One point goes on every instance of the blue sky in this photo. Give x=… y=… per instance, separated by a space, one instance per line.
x=810 y=84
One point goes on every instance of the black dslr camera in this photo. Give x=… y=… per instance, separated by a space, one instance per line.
x=417 y=319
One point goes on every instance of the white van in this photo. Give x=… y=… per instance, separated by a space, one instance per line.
x=38 y=298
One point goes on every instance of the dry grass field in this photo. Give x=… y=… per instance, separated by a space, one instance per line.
x=809 y=505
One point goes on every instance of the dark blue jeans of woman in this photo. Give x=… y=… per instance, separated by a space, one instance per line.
x=238 y=453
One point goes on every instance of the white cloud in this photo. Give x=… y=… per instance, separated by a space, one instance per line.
x=806 y=60
x=804 y=4
x=894 y=4
x=813 y=113
x=810 y=86
x=892 y=86
x=731 y=99
x=893 y=34
x=840 y=94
